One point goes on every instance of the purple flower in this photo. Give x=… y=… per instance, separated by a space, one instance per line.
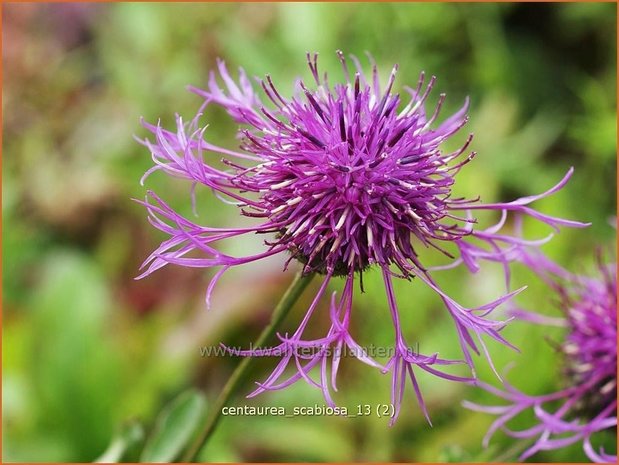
x=342 y=178
x=587 y=404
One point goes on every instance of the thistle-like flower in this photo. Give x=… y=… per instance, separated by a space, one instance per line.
x=587 y=403
x=343 y=178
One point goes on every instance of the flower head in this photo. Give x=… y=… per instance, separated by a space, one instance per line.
x=342 y=177
x=587 y=404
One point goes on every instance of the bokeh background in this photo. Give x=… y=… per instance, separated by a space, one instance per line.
x=87 y=349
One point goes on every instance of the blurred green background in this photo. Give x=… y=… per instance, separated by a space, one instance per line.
x=87 y=349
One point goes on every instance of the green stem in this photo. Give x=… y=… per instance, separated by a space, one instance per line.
x=241 y=372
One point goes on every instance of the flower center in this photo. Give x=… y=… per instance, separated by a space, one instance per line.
x=349 y=178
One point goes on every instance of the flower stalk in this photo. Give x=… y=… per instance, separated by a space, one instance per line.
x=240 y=374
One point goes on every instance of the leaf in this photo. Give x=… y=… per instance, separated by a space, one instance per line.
x=73 y=356
x=130 y=434
x=175 y=426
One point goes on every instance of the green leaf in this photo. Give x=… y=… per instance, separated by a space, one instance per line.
x=130 y=435
x=175 y=426
x=73 y=357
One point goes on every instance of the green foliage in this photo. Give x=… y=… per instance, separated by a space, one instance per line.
x=128 y=437
x=175 y=426
x=90 y=355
